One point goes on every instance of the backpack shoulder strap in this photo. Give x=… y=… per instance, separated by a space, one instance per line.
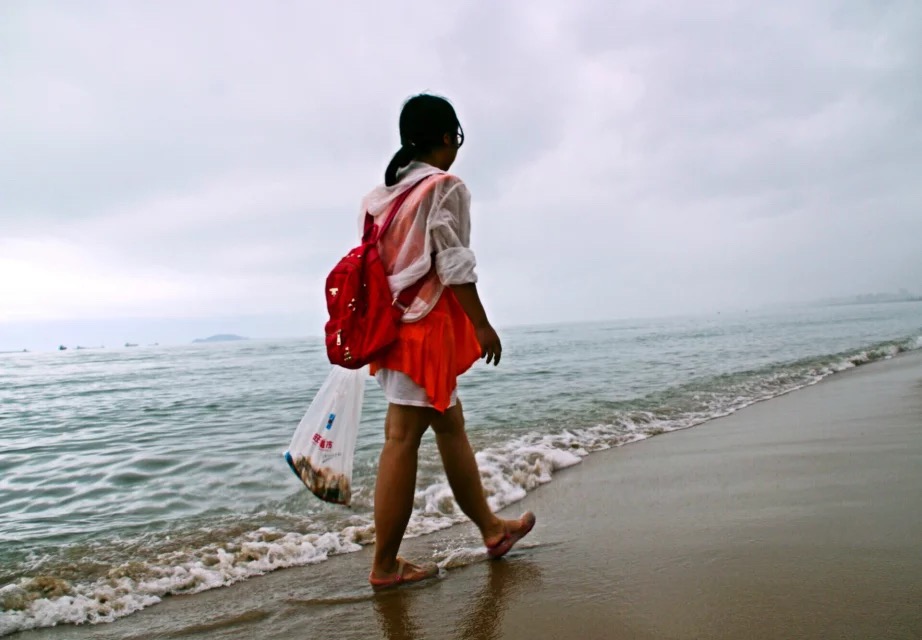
x=405 y=298
x=372 y=232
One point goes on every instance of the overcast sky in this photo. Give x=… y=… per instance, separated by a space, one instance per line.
x=172 y=169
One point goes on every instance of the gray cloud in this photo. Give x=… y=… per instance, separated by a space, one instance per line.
x=625 y=158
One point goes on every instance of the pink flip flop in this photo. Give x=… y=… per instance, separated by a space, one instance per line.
x=501 y=548
x=426 y=571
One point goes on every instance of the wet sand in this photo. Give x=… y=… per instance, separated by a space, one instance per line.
x=799 y=517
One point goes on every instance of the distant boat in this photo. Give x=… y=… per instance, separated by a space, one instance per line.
x=130 y=344
x=62 y=348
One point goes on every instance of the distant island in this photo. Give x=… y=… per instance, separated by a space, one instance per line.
x=221 y=337
x=874 y=298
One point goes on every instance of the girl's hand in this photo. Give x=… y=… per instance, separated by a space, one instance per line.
x=490 y=346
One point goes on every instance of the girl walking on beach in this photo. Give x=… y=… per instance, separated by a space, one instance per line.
x=444 y=332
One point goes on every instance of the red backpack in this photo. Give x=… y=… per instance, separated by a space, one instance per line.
x=364 y=316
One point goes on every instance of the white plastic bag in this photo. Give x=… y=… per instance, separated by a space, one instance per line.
x=323 y=445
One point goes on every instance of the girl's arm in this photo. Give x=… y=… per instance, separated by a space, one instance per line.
x=450 y=226
x=490 y=346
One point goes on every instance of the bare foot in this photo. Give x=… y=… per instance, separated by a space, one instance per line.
x=513 y=531
x=404 y=572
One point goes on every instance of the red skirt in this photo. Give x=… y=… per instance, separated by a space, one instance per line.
x=435 y=350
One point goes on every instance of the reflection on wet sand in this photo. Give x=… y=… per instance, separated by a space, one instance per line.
x=480 y=618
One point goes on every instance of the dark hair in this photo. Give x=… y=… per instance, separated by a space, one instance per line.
x=424 y=121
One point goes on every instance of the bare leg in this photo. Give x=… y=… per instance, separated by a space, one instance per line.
x=396 y=482
x=463 y=475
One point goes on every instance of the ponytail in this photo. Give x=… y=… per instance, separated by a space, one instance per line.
x=402 y=158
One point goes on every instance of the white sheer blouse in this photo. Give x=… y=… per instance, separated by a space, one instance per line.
x=433 y=224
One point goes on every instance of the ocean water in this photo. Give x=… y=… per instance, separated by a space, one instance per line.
x=129 y=475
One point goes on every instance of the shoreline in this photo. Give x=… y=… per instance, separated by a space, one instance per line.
x=704 y=535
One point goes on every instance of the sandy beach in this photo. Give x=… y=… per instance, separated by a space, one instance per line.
x=799 y=517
